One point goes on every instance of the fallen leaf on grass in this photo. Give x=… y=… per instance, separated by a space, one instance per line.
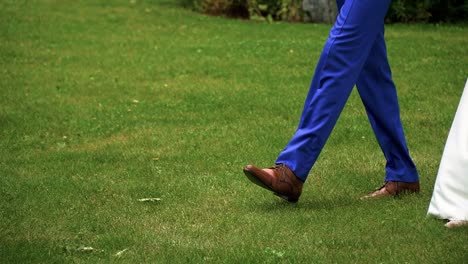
x=118 y=254
x=81 y=249
x=149 y=199
x=85 y=249
x=279 y=254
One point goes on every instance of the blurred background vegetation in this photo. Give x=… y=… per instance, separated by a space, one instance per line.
x=426 y=11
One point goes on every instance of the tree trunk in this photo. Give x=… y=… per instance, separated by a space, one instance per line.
x=319 y=11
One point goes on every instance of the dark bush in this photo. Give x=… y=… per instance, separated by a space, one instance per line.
x=231 y=8
x=409 y=11
x=287 y=10
x=449 y=11
x=434 y=11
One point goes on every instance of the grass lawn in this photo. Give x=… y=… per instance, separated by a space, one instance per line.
x=107 y=102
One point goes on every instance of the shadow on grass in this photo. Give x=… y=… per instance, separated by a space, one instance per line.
x=323 y=203
x=331 y=203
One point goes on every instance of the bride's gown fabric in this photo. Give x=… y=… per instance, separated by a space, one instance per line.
x=450 y=196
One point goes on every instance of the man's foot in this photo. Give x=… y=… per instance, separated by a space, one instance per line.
x=394 y=188
x=279 y=179
x=456 y=223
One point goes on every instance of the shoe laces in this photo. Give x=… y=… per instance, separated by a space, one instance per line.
x=281 y=167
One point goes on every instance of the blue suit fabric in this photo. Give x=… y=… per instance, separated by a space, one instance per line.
x=354 y=54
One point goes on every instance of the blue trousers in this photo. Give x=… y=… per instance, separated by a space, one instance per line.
x=354 y=54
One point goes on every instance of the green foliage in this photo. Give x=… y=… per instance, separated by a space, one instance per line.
x=291 y=10
x=409 y=11
x=428 y=11
x=284 y=10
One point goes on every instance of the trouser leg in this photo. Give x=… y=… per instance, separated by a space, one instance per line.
x=378 y=93
x=339 y=4
x=342 y=59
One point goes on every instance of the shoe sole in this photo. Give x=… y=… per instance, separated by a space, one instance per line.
x=456 y=223
x=255 y=180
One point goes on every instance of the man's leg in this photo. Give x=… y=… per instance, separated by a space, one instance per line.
x=379 y=96
x=351 y=39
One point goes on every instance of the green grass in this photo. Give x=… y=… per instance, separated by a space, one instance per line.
x=106 y=102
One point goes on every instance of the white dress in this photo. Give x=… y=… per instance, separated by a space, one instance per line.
x=450 y=196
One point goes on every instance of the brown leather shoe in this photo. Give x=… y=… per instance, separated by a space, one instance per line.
x=394 y=188
x=279 y=179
